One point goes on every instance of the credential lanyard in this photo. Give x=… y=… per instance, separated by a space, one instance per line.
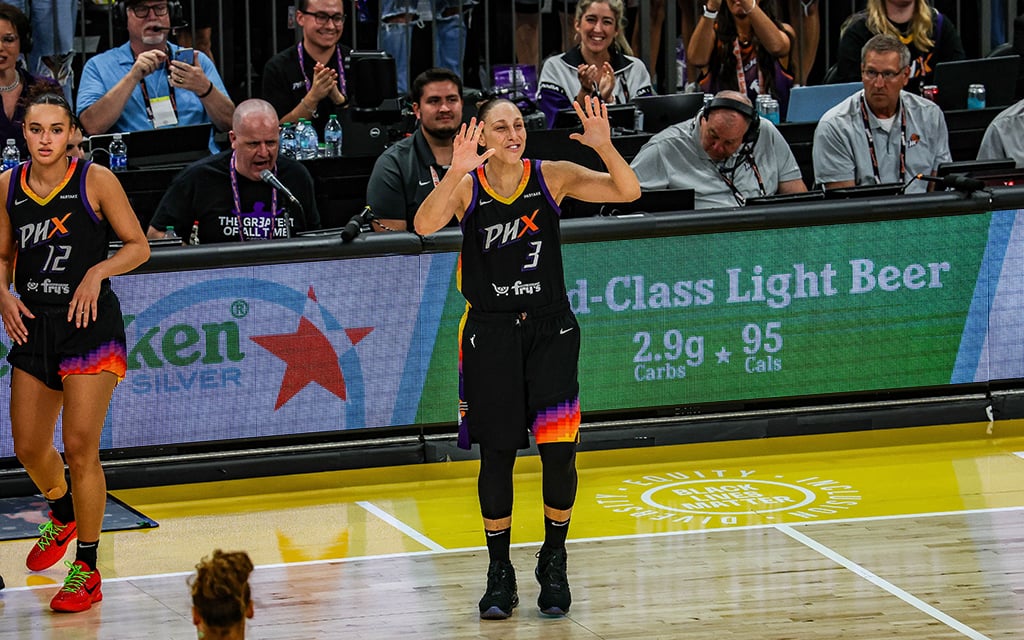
x=724 y=174
x=871 y=141
x=238 y=204
x=170 y=92
x=341 y=68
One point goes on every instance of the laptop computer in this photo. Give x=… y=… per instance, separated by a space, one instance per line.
x=808 y=104
x=653 y=202
x=787 y=198
x=971 y=167
x=149 y=148
x=999 y=75
x=866 y=191
x=661 y=112
x=620 y=116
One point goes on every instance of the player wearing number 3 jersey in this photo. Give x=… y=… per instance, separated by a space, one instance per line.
x=519 y=342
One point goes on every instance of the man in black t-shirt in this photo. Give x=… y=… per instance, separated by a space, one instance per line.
x=212 y=199
x=307 y=80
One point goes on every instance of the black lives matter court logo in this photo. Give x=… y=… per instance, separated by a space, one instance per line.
x=733 y=497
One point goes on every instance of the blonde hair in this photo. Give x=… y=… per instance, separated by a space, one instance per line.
x=920 y=24
x=620 y=20
x=220 y=589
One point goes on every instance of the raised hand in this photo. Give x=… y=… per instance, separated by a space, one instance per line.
x=597 y=131
x=465 y=149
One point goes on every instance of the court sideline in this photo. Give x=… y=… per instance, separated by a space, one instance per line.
x=912 y=532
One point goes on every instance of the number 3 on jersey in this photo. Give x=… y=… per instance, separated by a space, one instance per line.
x=533 y=257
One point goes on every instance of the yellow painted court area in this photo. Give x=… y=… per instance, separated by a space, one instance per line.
x=631 y=492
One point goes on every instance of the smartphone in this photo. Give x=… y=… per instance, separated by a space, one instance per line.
x=188 y=56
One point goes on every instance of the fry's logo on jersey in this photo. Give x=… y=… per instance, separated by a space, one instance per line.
x=502 y=235
x=38 y=233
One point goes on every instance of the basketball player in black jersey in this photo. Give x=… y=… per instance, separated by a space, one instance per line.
x=520 y=342
x=68 y=334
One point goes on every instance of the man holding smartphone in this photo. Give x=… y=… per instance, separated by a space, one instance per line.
x=144 y=84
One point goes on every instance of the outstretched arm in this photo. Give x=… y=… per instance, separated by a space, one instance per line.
x=451 y=196
x=619 y=184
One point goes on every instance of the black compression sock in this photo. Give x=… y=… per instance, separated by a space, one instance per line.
x=63 y=508
x=498 y=543
x=86 y=553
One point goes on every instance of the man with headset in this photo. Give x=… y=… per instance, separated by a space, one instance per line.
x=726 y=154
x=144 y=85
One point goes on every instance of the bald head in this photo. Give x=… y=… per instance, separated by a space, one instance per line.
x=254 y=137
x=722 y=131
x=251 y=109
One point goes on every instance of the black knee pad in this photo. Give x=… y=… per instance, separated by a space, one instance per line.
x=558 y=460
x=494 y=484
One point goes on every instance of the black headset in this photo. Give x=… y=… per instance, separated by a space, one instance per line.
x=744 y=109
x=121 y=12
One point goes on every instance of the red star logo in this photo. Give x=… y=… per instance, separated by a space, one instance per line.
x=310 y=357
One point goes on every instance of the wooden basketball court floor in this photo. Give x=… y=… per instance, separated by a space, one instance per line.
x=912 y=533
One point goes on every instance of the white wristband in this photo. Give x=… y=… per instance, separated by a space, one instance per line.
x=710 y=15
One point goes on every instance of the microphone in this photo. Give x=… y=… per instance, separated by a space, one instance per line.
x=174 y=28
x=268 y=176
x=355 y=224
x=958 y=181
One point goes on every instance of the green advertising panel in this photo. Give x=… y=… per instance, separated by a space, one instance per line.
x=760 y=314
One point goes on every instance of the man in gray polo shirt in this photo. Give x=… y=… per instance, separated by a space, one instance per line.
x=722 y=154
x=1004 y=137
x=881 y=134
x=405 y=174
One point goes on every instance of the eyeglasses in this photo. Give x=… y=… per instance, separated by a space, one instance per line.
x=322 y=18
x=888 y=76
x=9 y=38
x=142 y=10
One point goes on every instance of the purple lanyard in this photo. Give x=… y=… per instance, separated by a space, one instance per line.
x=238 y=203
x=341 y=68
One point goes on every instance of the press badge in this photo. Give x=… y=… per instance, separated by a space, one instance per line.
x=163 y=112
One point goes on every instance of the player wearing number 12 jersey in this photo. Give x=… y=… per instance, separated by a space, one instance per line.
x=519 y=341
x=68 y=334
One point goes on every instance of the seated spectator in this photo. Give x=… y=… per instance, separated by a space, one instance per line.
x=881 y=134
x=221 y=597
x=1004 y=137
x=53 y=40
x=408 y=171
x=931 y=37
x=742 y=46
x=602 y=65
x=726 y=154
x=223 y=198
x=307 y=80
x=398 y=17
x=140 y=85
x=74 y=147
x=15 y=81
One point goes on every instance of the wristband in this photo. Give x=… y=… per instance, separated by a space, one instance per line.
x=710 y=15
x=207 y=92
x=312 y=111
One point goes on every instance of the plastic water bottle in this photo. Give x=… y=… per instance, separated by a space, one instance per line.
x=169 y=232
x=289 y=143
x=306 y=135
x=332 y=137
x=118 y=154
x=11 y=155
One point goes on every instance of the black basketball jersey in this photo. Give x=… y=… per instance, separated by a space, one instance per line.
x=59 y=236
x=511 y=247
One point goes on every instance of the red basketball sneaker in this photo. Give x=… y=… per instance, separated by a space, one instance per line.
x=54 y=538
x=81 y=589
